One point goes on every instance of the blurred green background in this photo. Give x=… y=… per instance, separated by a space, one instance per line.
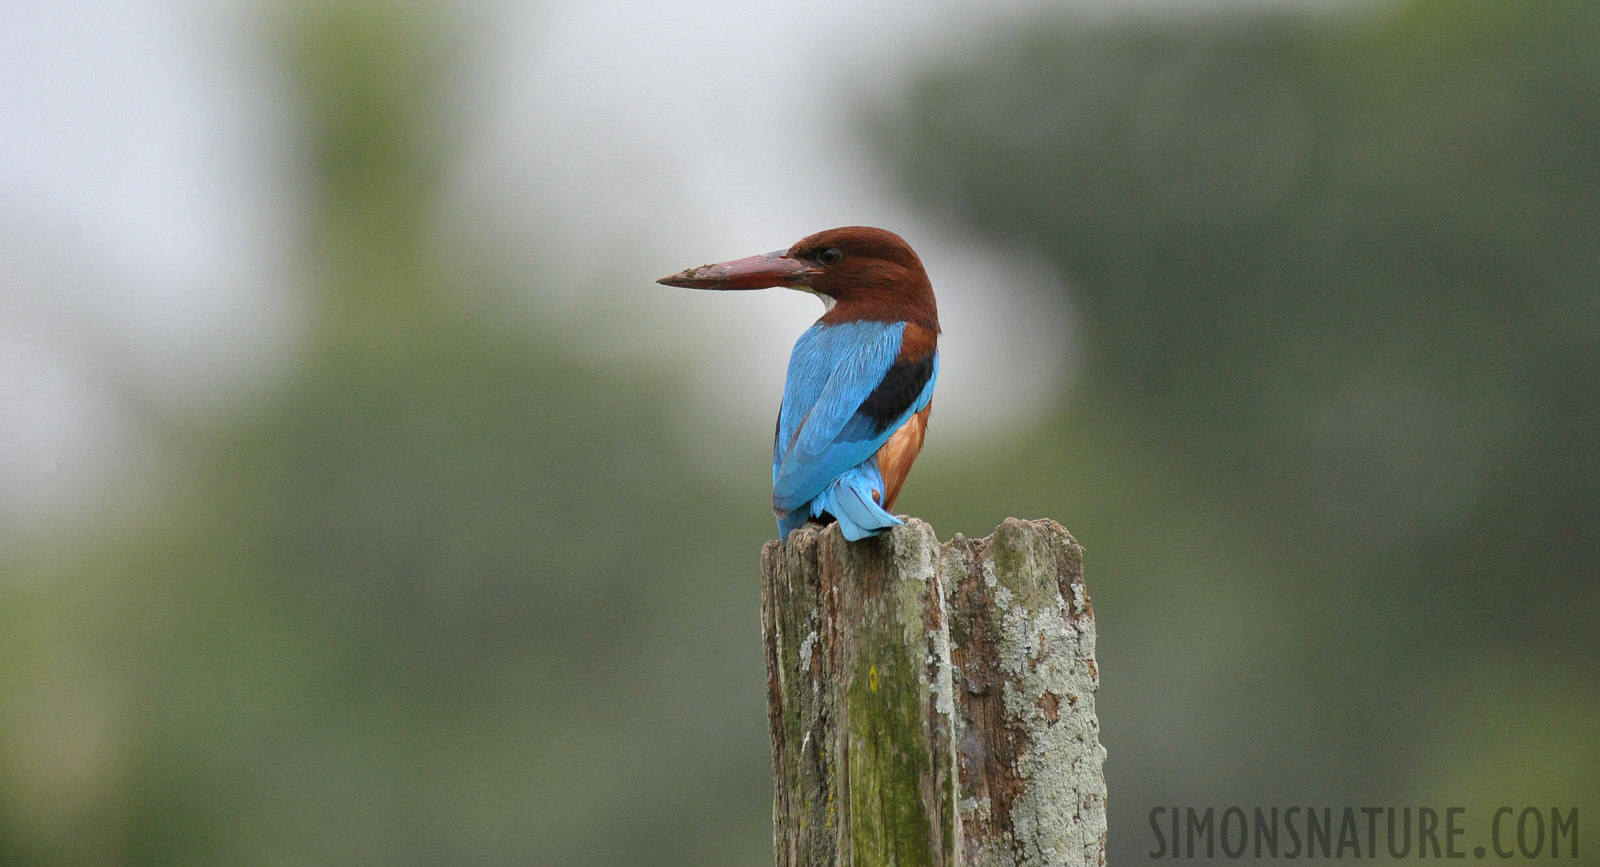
x=453 y=593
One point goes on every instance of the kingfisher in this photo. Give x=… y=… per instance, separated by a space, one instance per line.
x=860 y=383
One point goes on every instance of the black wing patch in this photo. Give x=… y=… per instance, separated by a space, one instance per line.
x=896 y=393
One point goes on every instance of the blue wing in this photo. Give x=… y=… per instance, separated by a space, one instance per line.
x=824 y=448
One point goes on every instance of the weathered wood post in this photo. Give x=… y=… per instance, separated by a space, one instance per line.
x=933 y=705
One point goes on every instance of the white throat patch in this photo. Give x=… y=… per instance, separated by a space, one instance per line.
x=827 y=300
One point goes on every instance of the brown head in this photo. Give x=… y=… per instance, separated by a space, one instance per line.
x=859 y=271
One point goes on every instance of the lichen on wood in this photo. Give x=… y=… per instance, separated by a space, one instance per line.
x=932 y=705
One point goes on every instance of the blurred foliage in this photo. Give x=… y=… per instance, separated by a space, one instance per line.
x=447 y=598
x=1339 y=275
x=451 y=596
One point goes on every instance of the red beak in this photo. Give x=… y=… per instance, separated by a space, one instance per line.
x=754 y=272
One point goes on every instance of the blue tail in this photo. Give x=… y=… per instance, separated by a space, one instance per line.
x=849 y=499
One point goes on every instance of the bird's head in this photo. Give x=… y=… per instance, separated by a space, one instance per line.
x=858 y=271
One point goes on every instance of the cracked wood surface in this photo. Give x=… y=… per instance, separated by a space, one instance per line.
x=933 y=705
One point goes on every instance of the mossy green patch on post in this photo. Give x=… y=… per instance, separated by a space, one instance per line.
x=888 y=755
x=858 y=671
x=895 y=749
x=887 y=654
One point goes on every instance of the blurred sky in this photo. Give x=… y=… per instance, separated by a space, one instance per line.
x=145 y=212
x=148 y=207
x=148 y=213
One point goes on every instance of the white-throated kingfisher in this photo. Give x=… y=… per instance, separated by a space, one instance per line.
x=860 y=384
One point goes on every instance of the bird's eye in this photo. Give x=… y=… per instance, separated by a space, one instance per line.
x=830 y=256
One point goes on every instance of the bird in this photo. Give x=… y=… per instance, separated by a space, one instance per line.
x=859 y=388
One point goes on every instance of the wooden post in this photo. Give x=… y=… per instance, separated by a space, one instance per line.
x=933 y=705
